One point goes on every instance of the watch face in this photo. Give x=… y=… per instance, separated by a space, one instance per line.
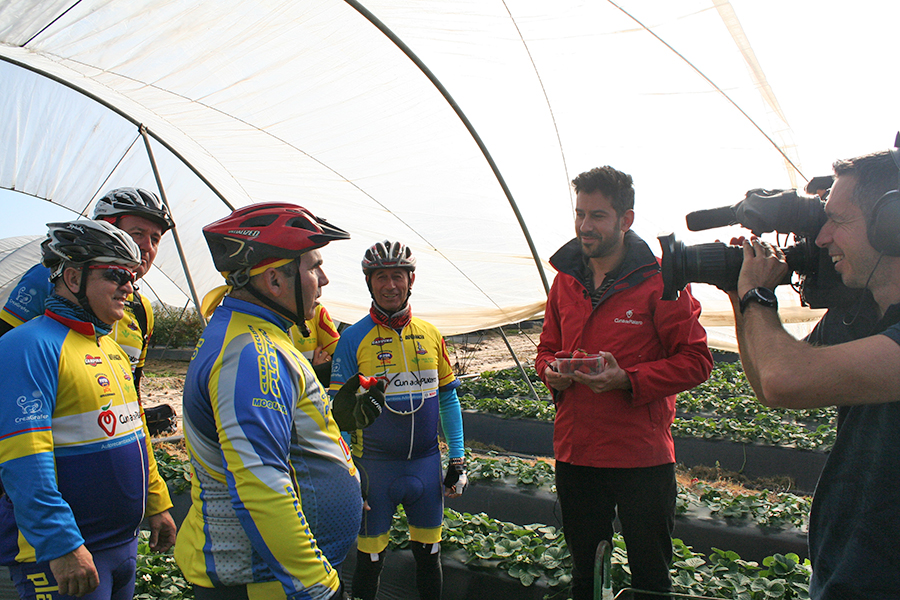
x=766 y=294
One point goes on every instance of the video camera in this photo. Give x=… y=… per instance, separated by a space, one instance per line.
x=761 y=211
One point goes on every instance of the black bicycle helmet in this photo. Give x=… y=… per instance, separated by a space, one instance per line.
x=133 y=201
x=80 y=243
x=388 y=255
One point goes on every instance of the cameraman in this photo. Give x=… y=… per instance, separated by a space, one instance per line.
x=850 y=360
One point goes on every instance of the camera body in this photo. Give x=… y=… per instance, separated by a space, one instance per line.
x=761 y=211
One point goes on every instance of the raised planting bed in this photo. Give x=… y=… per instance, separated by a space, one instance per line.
x=534 y=437
x=461 y=582
x=695 y=524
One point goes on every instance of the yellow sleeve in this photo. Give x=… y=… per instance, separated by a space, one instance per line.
x=158 y=498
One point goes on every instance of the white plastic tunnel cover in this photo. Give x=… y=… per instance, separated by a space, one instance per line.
x=452 y=125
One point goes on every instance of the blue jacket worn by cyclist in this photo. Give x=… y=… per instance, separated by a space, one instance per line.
x=73 y=452
x=398 y=455
x=275 y=497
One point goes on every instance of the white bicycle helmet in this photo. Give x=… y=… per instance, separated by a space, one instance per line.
x=388 y=255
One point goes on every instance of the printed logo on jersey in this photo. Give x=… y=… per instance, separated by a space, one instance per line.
x=385 y=356
x=269 y=404
x=103 y=382
x=31 y=407
x=25 y=296
x=125 y=371
x=132 y=326
x=419 y=349
x=107 y=421
x=131 y=417
x=267 y=361
x=381 y=341
x=628 y=320
x=92 y=361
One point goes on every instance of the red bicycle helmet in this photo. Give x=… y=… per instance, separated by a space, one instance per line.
x=261 y=232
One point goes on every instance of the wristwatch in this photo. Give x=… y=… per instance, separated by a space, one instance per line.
x=764 y=296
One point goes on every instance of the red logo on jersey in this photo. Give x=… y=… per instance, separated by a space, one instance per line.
x=107 y=420
x=381 y=341
x=92 y=361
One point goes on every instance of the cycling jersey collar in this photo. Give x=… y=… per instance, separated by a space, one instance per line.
x=235 y=305
x=75 y=317
x=396 y=321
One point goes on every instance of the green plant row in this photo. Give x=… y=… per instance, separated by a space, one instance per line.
x=158 y=575
x=768 y=509
x=173 y=470
x=537 y=552
x=175 y=327
x=723 y=407
x=726 y=393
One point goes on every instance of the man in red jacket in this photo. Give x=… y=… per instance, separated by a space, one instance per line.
x=612 y=436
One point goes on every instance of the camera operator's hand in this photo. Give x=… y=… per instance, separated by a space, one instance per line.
x=556 y=380
x=785 y=211
x=612 y=377
x=763 y=266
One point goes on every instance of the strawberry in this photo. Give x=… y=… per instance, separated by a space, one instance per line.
x=367 y=382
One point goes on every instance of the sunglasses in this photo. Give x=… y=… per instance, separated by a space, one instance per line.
x=118 y=275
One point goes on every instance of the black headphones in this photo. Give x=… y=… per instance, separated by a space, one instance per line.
x=884 y=224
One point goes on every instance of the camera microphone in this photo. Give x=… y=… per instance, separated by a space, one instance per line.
x=700 y=220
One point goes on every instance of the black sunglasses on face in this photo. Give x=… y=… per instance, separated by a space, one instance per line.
x=118 y=275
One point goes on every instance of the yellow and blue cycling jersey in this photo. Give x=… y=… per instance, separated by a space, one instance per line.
x=322 y=332
x=421 y=388
x=27 y=302
x=73 y=453
x=275 y=494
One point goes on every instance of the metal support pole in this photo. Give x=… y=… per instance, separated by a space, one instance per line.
x=518 y=364
x=162 y=194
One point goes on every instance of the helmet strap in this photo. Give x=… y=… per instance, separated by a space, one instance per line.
x=298 y=295
x=81 y=293
x=275 y=306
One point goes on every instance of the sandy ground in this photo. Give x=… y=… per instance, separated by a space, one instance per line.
x=471 y=354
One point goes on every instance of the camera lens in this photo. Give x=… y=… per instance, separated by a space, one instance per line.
x=715 y=263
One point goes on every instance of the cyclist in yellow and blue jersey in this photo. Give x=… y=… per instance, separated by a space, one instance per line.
x=275 y=495
x=139 y=213
x=319 y=345
x=398 y=455
x=73 y=447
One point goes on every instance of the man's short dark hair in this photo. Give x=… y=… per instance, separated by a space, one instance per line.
x=612 y=183
x=875 y=173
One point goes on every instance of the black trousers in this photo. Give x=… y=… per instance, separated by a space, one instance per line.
x=589 y=498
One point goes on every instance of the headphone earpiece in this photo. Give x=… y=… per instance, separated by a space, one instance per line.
x=883 y=227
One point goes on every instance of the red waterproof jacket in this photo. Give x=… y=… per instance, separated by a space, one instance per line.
x=660 y=344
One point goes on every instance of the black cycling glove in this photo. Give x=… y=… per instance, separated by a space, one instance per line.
x=353 y=410
x=456 y=480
